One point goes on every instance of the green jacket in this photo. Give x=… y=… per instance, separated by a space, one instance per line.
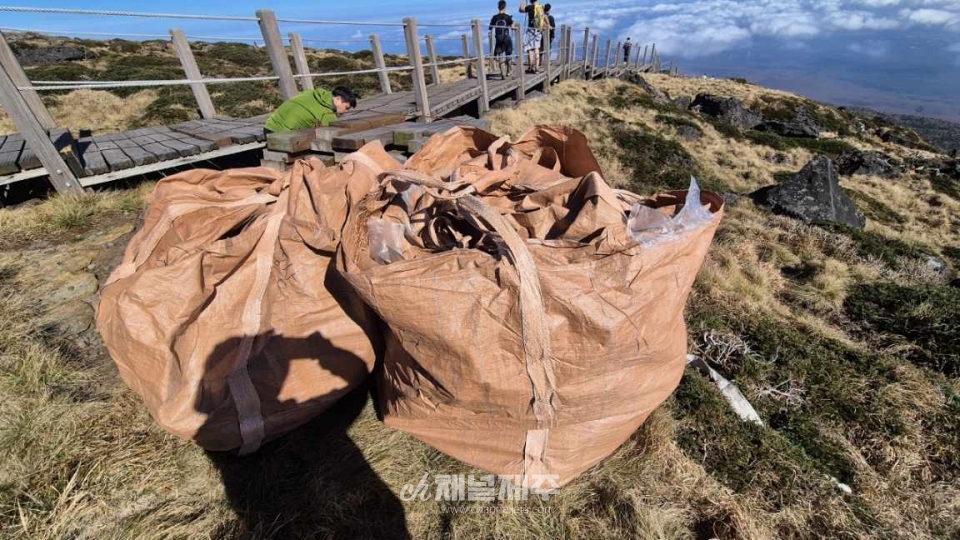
x=305 y=110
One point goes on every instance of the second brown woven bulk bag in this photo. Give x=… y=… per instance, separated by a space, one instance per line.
x=531 y=331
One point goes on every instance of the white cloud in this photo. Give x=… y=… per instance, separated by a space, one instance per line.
x=933 y=17
x=860 y=20
x=873 y=49
x=703 y=27
x=788 y=24
x=678 y=36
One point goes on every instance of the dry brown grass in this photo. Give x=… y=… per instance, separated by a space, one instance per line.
x=6 y=123
x=84 y=460
x=99 y=110
x=96 y=110
x=691 y=86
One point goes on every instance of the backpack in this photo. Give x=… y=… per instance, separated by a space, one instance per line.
x=500 y=28
x=539 y=17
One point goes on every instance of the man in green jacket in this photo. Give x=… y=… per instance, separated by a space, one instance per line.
x=311 y=108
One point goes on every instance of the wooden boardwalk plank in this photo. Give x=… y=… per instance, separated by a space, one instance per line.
x=162 y=151
x=91 y=158
x=183 y=148
x=8 y=161
x=139 y=155
x=116 y=159
x=28 y=159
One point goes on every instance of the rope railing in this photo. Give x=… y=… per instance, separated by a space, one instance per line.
x=110 y=13
x=53 y=33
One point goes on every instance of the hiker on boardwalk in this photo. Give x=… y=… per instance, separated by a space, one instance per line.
x=627 y=45
x=502 y=25
x=545 y=45
x=311 y=108
x=536 y=24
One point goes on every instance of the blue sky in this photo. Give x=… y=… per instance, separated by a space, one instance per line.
x=898 y=55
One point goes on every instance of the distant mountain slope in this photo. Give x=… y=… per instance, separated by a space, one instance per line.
x=942 y=133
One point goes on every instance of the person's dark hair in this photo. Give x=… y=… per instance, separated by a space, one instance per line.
x=502 y=4
x=346 y=95
x=546 y=8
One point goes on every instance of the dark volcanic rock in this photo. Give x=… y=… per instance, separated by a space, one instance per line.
x=51 y=55
x=689 y=133
x=813 y=195
x=894 y=137
x=868 y=162
x=682 y=102
x=638 y=80
x=803 y=125
x=728 y=109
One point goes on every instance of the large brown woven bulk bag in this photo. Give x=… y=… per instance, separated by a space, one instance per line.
x=225 y=315
x=530 y=334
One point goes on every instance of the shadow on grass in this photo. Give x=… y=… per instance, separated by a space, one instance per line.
x=313 y=482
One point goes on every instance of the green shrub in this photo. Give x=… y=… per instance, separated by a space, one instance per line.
x=874 y=209
x=843 y=386
x=123 y=46
x=676 y=121
x=872 y=244
x=785 y=108
x=173 y=104
x=926 y=316
x=946 y=184
x=235 y=99
x=724 y=128
x=830 y=147
x=214 y=55
x=631 y=96
x=658 y=163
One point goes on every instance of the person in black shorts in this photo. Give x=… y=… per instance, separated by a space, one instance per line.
x=502 y=25
x=626 y=51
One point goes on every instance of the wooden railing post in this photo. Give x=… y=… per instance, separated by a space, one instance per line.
x=466 y=54
x=493 y=61
x=616 y=56
x=300 y=60
x=36 y=136
x=644 y=61
x=267 y=20
x=546 y=67
x=189 y=63
x=432 y=55
x=416 y=61
x=9 y=62
x=606 y=59
x=484 y=104
x=653 y=55
x=586 y=44
x=636 y=61
x=521 y=89
x=594 y=56
x=571 y=53
x=561 y=47
x=380 y=63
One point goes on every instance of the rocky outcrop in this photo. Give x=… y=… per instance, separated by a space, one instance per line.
x=813 y=195
x=729 y=109
x=868 y=162
x=803 y=124
x=637 y=79
x=42 y=56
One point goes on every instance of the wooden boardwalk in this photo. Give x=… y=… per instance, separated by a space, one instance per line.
x=81 y=161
